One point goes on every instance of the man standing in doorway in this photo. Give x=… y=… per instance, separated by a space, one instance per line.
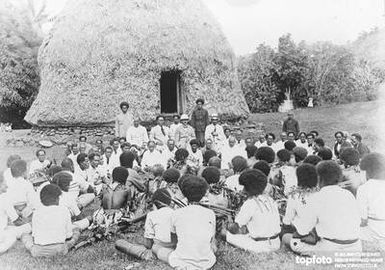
x=123 y=120
x=199 y=121
x=290 y=124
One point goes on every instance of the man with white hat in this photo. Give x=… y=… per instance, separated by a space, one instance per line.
x=185 y=133
x=215 y=132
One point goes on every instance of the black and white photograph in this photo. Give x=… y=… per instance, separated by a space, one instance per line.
x=192 y=134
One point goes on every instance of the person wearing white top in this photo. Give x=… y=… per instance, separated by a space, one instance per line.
x=21 y=193
x=238 y=164
x=169 y=152
x=229 y=151
x=41 y=163
x=302 y=142
x=152 y=156
x=215 y=132
x=333 y=212
x=239 y=142
x=116 y=152
x=137 y=134
x=270 y=137
x=184 y=133
x=261 y=140
x=257 y=225
x=9 y=233
x=174 y=126
x=371 y=199
x=160 y=133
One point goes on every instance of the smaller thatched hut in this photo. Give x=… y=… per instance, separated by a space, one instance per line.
x=160 y=56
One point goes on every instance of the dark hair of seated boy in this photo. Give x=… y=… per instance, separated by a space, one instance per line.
x=265 y=153
x=312 y=159
x=116 y=195
x=374 y=166
x=216 y=195
x=289 y=145
x=157 y=230
x=194 y=188
x=352 y=176
x=207 y=155
x=329 y=173
x=325 y=153
x=263 y=166
x=300 y=153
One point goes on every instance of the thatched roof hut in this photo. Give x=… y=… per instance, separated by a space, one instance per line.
x=160 y=56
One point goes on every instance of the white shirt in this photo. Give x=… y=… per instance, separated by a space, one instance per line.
x=194 y=226
x=137 y=135
x=109 y=166
x=303 y=145
x=167 y=154
x=273 y=146
x=218 y=140
x=260 y=215
x=259 y=144
x=334 y=213
x=51 y=225
x=296 y=209
x=20 y=191
x=36 y=165
x=232 y=182
x=6 y=212
x=196 y=158
x=151 y=158
x=158 y=225
x=371 y=201
x=74 y=160
x=173 y=128
x=241 y=145
x=228 y=153
x=157 y=135
x=7 y=175
x=115 y=157
x=69 y=201
x=279 y=145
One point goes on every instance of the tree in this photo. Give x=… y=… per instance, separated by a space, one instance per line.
x=20 y=38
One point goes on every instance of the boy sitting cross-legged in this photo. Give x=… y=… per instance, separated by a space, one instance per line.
x=257 y=225
x=9 y=233
x=157 y=228
x=193 y=227
x=333 y=211
x=52 y=230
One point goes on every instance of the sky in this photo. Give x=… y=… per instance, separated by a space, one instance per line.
x=247 y=23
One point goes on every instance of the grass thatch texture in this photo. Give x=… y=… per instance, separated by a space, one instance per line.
x=100 y=53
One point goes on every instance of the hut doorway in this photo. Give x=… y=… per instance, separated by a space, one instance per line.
x=171 y=96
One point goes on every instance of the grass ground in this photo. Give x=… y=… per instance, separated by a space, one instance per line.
x=357 y=117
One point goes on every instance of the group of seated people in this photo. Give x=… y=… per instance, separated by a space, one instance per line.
x=295 y=193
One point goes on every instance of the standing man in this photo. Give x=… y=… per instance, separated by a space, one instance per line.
x=184 y=133
x=290 y=124
x=199 y=121
x=123 y=120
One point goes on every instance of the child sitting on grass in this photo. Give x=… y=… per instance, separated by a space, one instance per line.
x=257 y=225
x=353 y=177
x=371 y=199
x=298 y=200
x=9 y=233
x=334 y=214
x=193 y=228
x=52 y=230
x=157 y=234
x=216 y=194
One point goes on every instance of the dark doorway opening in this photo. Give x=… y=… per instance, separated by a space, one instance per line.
x=170 y=92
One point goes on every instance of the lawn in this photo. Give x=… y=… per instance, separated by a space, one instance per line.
x=357 y=117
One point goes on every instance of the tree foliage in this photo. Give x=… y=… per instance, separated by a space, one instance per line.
x=328 y=73
x=20 y=38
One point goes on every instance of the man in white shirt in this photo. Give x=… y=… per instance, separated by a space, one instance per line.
x=74 y=155
x=21 y=193
x=371 y=199
x=333 y=212
x=239 y=142
x=214 y=132
x=270 y=137
x=137 y=134
x=261 y=140
x=302 y=142
x=108 y=165
x=95 y=174
x=169 y=152
x=160 y=133
x=281 y=143
x=39 y=164
x=116 y=152
x=184 y=133
x=229 y=151
x=152 y=156
x=174 y=126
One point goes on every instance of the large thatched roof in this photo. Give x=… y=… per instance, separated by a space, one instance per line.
x=100 y=53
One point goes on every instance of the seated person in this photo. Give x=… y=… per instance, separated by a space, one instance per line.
x=334 y=214
x=256 y=227
x=52 y=230
x=21 y=193
x=193 y=228
x=40 y=164
x=283 y=174
x=238 y=164
x=216 y=194
x=116 y=195
x=157 y=172
x=300 y=153
x=353 y=177
x=9 y=232
x=157 y=230
x=298 y=200
x=371 y=199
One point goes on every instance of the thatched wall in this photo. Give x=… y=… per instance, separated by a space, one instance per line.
x=100 y=53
